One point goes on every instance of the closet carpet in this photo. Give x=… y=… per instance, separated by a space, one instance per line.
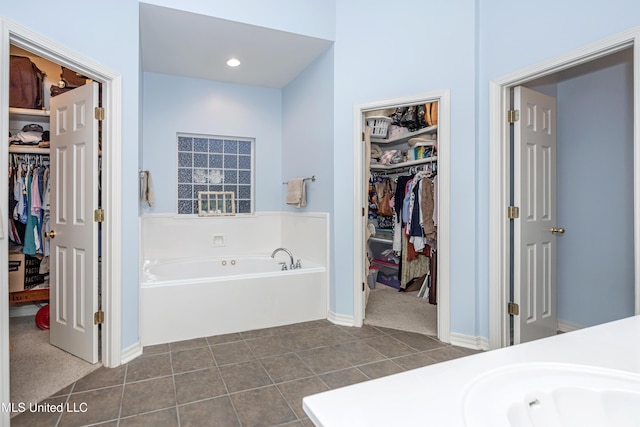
x=39 y=369
x=404 y=311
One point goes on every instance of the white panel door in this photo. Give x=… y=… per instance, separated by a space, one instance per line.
x=535 y=262
x=74 y=196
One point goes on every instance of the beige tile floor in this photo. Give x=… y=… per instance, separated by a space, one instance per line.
x=254 y=378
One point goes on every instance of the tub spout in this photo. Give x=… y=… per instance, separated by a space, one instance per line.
x=292 y=265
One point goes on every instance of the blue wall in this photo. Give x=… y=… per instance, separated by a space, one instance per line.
x=515 y=35
x=387 y=50
x=595 y=188
x=107 y=33
x=307 y=143
x=177 y=104
x=595 y=193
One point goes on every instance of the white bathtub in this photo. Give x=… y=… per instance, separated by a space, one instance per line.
x=190 y=298
x=552 y=394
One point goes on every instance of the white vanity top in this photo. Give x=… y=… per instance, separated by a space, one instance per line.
x=435 y=395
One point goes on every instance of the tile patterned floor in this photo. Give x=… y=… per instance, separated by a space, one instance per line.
x=254 y=378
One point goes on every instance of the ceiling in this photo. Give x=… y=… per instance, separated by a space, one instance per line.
x=197 y=46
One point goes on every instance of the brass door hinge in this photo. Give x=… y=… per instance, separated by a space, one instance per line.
x=99 y=113
x=362 y=136
x=362 y=286
x=362 y=211
x=513 y=212
x=98 y=317
x=98 y=215
x=513 y=116
x=513 y=309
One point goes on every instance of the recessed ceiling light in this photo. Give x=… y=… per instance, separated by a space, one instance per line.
x=233 y=62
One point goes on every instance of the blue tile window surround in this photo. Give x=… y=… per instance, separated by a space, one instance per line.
x=214 y=163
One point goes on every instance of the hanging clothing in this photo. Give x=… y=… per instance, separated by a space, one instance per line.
x=419 y=235
x=406 y=202
x=28 y=202
x=20 y=192
x=427 y=207
x=413 y=268
x=435 y=200
x=380 y=202
x=398 y=200
x=433 y=279
x=413 y=223
x=29 y=247
x=16 y=228
x=397 y=237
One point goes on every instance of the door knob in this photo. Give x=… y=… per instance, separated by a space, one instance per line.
x=50 y=234
x=557 y=230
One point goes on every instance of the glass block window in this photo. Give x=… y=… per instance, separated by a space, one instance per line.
x=215 y=163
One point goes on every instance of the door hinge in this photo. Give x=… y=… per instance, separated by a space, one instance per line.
x=362 y=136
x=362 y=286
x=98 y=317
x=513 y=309
x=99 y=113
x=513 y=212
x=362 y=211
x=513 y=116
x=98 y=215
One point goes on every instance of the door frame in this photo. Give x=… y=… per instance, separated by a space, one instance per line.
x=12 y=33
x=444 y=185
x=499 y=175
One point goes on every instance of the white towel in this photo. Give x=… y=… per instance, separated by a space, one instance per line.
x=146 y=190
x=296 y=193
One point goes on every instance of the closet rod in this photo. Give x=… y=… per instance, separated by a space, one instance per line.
x=400 y=171
x=37 y=159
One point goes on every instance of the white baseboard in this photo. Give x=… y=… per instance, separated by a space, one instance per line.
x=340 y=319
x=23 y=310
x=568 y=327
x=130 y=353
x=468 y=341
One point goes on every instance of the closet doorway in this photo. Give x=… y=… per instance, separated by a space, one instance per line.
x=20 y=37
x=420 y=150
x=603 y=75
x=54 y=172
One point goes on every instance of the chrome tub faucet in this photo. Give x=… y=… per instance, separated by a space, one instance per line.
x=293 y=265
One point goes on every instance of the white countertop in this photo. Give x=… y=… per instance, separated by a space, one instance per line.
x=433 y=395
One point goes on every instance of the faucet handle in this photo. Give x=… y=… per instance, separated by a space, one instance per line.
x=298 y=264
x=284 y=266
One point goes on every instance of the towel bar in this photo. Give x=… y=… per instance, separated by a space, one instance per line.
x=311 y=178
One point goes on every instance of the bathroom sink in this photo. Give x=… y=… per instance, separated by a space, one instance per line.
x=553 y=395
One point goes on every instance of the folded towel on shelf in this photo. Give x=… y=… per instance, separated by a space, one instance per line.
x=146 y=188
x=376 y=151
x=26 y=138
x=296 y=193
x=391 y=157
x=421 y=141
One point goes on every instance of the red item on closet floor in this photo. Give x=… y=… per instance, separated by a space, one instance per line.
x=42 y=317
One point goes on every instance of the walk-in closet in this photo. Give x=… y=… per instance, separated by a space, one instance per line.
x=40 y=246
x=402 y=217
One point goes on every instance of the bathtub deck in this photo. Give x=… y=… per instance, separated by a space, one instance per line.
x=434 y=395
